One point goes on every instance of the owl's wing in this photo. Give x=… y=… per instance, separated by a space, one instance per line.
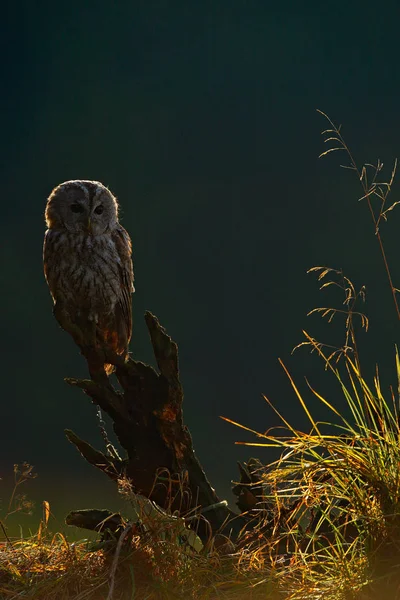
x=123 y=313
x=49 y=257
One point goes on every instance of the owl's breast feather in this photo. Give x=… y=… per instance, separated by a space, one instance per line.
x=82 y=270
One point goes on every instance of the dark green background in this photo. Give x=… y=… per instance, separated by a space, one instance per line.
x=200 y=117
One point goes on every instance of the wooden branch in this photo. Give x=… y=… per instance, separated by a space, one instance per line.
x=148 y=422
x=95 y=519
x=109 y=465
x=106 y=397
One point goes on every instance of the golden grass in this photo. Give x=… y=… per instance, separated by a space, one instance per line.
x=153 y=569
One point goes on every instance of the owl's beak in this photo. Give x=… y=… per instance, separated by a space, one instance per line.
x=89 y=226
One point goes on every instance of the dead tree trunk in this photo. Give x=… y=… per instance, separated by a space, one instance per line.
x=148 y=422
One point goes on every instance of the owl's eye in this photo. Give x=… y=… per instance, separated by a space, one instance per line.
x=99 y=209
x=76 y=208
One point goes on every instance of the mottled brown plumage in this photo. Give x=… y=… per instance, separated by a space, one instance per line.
x=88 y=267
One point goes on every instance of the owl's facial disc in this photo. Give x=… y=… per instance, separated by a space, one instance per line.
x=77 y=218
x=103 y=214
x=96 y=226
x=82 y=206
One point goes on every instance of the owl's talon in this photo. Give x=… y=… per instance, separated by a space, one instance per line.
x=115 y=359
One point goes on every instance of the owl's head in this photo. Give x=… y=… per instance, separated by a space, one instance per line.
x=82 y=206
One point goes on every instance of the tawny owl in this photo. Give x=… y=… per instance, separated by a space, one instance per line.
x=88 y=267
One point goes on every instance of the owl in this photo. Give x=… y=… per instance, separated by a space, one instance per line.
x=89 y=270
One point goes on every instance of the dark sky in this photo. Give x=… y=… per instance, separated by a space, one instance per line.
x=201 y=118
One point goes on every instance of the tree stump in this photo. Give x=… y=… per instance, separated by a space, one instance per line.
x=148 y=422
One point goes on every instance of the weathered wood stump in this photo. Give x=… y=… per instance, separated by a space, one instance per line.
x=148 y=422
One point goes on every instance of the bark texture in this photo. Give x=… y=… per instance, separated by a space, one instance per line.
x=148 y=421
